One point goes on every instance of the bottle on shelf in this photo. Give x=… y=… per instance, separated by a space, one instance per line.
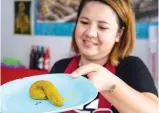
x=37 y=56
x=46 y=62
x=32 y=57
x=40 y=60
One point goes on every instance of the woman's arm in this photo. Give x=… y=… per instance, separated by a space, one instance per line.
x=127 y=100
x=123 y=97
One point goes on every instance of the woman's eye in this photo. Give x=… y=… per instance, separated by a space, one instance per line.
x=85 y=23
x=103 y=28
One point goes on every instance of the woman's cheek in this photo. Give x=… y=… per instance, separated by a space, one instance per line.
x=77 y=32
x=107 y=41
x=80 y=29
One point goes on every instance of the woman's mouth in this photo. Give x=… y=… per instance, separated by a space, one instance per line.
x=89 y=44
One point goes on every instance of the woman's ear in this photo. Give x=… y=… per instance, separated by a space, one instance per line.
x=119 y=34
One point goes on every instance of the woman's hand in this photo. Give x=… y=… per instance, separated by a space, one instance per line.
x=102 y=78
x=125 y=99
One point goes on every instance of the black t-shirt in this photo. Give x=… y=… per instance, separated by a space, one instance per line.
x=130 y=69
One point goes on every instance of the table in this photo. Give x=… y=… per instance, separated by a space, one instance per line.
x=9 y=74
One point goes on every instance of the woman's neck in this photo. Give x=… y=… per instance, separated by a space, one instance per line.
x=84 y=60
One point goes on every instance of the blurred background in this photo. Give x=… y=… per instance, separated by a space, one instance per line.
x=44 y=36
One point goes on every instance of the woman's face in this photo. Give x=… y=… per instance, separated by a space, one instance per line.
x=96 y=30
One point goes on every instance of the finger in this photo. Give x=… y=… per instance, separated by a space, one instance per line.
x=93 y=80
x=91 y=74
x=84 y=70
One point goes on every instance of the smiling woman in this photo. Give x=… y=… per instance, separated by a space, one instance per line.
x=103 y=40
x=95 y=37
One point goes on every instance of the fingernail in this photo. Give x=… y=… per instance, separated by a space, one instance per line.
x=74 y=74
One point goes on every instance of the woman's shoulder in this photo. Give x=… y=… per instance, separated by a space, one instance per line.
x=135 y=73
x=130 y=67
x=63 y=61
x=60 y=65
x=131 y=61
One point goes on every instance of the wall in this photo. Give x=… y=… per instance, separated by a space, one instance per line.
x=16 y=46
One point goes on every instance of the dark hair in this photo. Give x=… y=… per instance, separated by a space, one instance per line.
x=125 y=18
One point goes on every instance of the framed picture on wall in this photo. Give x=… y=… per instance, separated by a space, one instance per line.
x=58 y=17
x=22 y=17
x=55 y=17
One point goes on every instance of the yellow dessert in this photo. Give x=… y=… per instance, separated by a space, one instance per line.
x=43 y=89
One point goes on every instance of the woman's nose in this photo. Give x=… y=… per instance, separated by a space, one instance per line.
x=91 y=32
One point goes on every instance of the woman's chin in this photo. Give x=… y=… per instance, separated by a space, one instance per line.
x=89 y=53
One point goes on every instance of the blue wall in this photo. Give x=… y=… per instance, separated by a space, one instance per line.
x=65 y=29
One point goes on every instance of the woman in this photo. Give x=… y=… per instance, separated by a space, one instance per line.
x=104 y=37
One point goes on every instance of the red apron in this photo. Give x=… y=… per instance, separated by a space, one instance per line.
x=103 y=103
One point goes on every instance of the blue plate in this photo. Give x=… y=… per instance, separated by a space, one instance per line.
x=75 y=91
